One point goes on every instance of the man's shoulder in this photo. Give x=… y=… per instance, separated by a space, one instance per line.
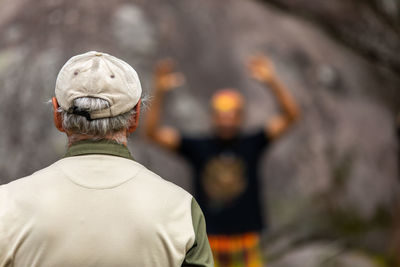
x=158 y=184
x=19 y=197
x=160 y=195
x=258 y=137
x=29 y=181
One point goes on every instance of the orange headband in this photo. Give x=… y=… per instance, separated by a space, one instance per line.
x=227 y=100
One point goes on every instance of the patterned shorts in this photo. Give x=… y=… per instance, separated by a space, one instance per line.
x=241 y=250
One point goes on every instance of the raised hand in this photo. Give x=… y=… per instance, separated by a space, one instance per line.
x=166 y=78
x=261 y=68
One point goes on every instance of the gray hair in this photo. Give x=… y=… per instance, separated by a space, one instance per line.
x=98 y=128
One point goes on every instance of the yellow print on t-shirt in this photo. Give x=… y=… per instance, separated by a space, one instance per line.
x=223 y=180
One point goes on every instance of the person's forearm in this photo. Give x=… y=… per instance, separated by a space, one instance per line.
x=154 y=114
x=286 y=101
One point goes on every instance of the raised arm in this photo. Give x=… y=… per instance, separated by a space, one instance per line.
x=165 y=79
x=262 y=69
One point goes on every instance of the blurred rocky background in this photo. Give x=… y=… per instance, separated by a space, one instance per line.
x=330 y=186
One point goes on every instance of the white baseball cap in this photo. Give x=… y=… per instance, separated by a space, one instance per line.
x=100 y=75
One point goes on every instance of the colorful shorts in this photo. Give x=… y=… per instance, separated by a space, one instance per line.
x=241 y=250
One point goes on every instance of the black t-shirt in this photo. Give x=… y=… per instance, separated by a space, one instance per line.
x=226 y=180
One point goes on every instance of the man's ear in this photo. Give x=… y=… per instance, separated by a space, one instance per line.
x=57 y=115
x=135 y=118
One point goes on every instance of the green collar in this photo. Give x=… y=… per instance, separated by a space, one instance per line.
x=107 y=147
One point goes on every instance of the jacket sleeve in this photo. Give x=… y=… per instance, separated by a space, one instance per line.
x=200 y=253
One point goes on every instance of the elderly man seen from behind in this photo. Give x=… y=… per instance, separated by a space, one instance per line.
x=97 y=206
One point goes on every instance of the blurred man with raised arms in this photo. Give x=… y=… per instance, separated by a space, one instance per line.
x=226 y=163
x=97 y=206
